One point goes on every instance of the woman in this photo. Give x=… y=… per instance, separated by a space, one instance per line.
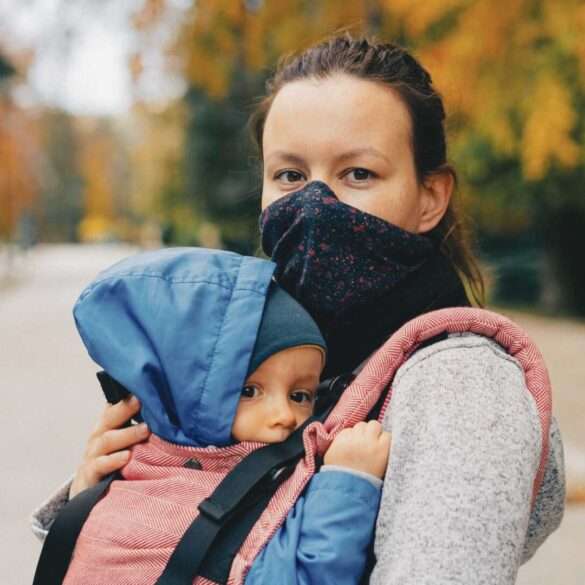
x=359 y=217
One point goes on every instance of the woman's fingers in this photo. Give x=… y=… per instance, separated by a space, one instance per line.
x=94 y=470
x=109 y=463
x=106 y=453
x=115 y=440
x=115 y=415
x=107 y=447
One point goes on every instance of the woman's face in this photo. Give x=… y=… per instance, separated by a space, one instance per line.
x=354 y=135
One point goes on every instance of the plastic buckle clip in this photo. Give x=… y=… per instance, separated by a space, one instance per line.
x=212 y=510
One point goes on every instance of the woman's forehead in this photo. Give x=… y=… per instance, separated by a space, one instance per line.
x=336 y=113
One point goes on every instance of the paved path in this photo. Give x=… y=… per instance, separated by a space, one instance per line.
x=50 y=401
x=561 y=559
x=562 y=343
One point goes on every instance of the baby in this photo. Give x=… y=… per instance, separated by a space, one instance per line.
x=221 y=359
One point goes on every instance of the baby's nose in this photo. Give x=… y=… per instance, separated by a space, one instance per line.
x=283 y=415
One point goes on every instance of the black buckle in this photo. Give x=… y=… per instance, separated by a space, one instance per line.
x=281 y=474
x=329 y=391
x=213 y=510
x=113 y=390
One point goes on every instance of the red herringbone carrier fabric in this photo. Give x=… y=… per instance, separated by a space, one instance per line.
x=132 y=532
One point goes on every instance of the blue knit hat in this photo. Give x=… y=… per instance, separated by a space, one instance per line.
x=285 y=323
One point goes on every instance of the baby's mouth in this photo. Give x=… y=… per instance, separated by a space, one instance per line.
x=277 y=436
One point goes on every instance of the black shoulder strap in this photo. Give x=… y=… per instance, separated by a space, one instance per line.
x=260 y=472
x=60 y=542
x=209 y=545
x=240 y=497
x=112 y=389
x=58 y=546
x=244 y=512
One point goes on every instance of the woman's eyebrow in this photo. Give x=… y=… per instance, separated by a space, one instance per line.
x=361 y=151
x=288 y=157
x=295 y=159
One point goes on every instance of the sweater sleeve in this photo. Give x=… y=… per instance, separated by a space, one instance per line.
x=466 y=441
x=549 y=506
x=325 y=537
x=43 y=517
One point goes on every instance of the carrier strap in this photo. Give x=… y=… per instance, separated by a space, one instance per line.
x=237 y=501
x=260 y=472
x=60 y=542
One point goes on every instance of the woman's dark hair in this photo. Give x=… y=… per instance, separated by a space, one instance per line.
x=395 y=67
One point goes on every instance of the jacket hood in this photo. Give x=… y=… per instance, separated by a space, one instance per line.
x=177 y=328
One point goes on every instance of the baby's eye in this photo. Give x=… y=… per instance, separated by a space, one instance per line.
x=289 y=176
x=250 y=392
x=302 y=397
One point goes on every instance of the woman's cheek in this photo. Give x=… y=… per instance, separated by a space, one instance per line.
x=270 y=194
x=397 y=204
x=371 y=200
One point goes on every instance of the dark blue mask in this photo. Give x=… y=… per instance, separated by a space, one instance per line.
x=331 y=256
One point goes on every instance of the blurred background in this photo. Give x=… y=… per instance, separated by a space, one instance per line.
x=125 y=121
x=123 y=126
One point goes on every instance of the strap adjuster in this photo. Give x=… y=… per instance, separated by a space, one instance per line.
x=213 y=510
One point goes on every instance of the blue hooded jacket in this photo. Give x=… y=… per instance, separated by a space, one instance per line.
x=190 y=317
x=177 y=328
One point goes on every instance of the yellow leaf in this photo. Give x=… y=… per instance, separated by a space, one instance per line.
x=547 y=132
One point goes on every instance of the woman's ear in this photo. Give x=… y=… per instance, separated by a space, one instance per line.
x=436 y=194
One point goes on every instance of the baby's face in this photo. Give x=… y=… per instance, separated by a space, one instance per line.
x=279 y=395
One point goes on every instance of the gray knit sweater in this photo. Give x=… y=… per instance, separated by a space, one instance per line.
x=466 y=443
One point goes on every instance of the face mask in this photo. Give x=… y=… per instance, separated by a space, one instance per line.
x=331 y=256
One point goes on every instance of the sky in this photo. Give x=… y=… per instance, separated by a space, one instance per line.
x=82 y=50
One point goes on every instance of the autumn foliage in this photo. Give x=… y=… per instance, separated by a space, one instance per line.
x=512 y=72
x=19 y=176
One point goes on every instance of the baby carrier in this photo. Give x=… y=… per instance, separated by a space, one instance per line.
x=245 y=506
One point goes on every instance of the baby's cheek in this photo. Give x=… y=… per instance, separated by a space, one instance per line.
x=303 y=415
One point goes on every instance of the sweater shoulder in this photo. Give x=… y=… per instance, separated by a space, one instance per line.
x=460 y=352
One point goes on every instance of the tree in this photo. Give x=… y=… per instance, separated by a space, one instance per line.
x=512 y=74
x=60 y=204
x=225 y=48
x=19 y=150
x=514 y=80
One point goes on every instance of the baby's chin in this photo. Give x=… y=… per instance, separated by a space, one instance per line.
x=277 y=436
x=267 y=436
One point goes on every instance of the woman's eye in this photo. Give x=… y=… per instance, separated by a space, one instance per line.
x=250 y=392
x=289 y=176
x=360 y=175
x=302 y=397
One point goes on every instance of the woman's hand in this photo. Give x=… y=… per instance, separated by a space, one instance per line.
x=365 y=447
x=107 y=447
